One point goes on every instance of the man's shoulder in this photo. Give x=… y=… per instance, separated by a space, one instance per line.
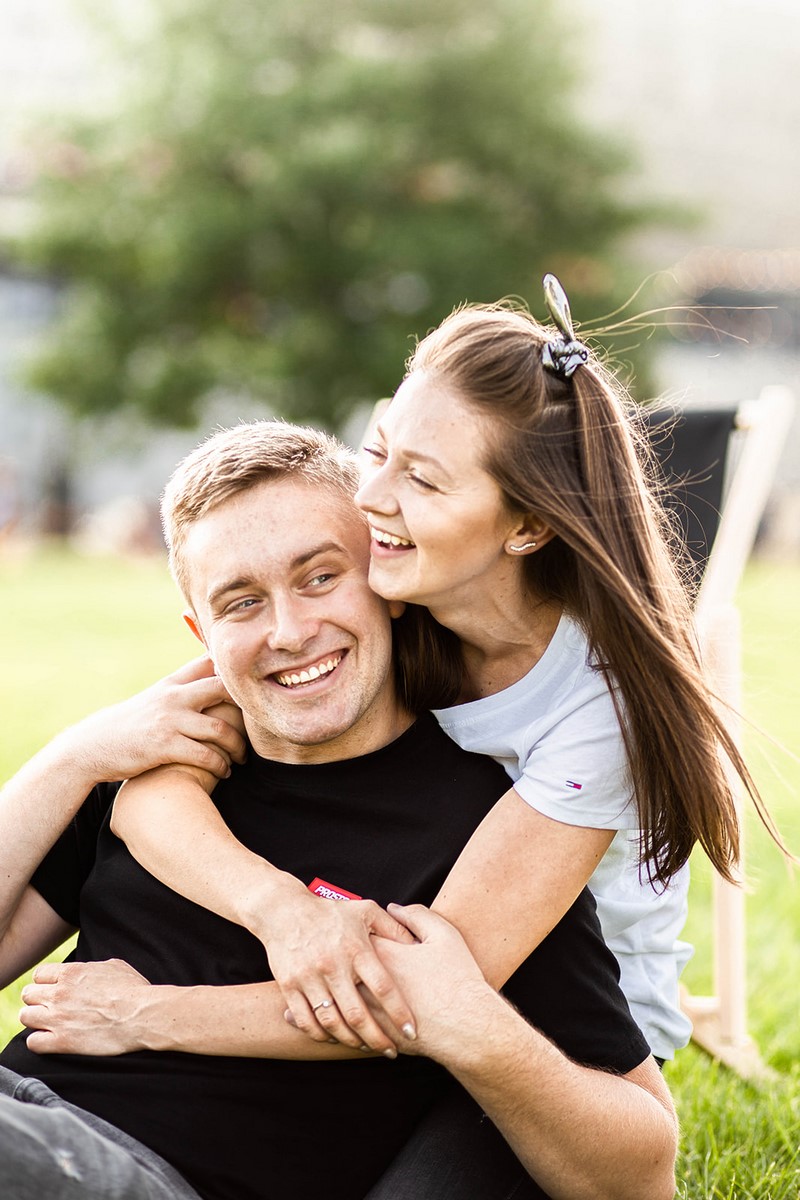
x=435 y=751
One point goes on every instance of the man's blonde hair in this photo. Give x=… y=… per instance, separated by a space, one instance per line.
x=242 y=457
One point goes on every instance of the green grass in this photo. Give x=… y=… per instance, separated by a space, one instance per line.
x=80 y=633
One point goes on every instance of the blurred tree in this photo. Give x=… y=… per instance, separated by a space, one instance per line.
x=289 y=190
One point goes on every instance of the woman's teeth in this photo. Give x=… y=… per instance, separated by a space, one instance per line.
x=388 y=539
x=308 y=674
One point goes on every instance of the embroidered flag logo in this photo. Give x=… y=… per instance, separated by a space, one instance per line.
x=571 y=783
x=328 y=892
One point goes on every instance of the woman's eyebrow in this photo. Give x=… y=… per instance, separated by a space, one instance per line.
x=417 y=455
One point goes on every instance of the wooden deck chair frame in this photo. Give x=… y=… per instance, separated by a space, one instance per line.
x=720 y=1021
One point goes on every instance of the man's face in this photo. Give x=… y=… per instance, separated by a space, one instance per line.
x=278 y=587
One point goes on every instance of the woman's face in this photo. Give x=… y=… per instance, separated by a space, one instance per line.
x=439 y=522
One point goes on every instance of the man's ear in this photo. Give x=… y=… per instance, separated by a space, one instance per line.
x=528 y=536
x=191 y=621
x=396 y=608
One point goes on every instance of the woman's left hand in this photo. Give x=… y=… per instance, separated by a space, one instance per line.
x=443 y=983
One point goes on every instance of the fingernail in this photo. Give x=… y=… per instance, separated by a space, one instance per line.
x=334 y=1041
x=365 y=1049
x=410 y=1032
x=389 y=1053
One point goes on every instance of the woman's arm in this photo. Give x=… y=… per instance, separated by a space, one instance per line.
x=514 y=880
x=317 y=949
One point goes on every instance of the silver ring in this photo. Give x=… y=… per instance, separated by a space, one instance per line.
x=323 y=1004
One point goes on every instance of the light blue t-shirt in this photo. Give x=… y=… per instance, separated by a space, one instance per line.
x=557 y=734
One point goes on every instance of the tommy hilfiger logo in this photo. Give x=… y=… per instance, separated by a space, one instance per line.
x=328 y=892
x=571 y=783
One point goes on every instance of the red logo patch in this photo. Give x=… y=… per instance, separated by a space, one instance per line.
x=328 y=892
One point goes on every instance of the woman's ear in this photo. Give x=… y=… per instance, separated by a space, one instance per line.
x=528 y=536
x=191 y=621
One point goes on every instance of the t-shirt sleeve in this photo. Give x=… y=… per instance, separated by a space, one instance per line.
x=63 y=871
x=577 y=770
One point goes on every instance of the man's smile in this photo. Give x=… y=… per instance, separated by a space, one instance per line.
x=310 y=673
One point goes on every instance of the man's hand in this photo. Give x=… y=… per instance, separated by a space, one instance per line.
x=324 y=951
x=83 y=1008
x=186 y=718
x=444 y=984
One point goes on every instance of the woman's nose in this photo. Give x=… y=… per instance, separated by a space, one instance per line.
x=374 y=495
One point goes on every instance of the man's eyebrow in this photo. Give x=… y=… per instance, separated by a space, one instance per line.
x=330 y=547
x=300 y=560
x=230 y=585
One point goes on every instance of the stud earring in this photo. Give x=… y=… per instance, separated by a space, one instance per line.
x=519 y=549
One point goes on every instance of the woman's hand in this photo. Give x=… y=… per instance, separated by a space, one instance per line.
x=83 y=1008
x=437 y=971
x=322 y=954
x=186 y=718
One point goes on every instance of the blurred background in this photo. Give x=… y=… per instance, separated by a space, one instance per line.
x=214 y=211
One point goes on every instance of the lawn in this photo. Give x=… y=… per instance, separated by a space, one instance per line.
x=80 y=633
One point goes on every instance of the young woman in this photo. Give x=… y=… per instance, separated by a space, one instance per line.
x=507 y=500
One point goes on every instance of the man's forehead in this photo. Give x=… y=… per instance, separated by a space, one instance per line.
x=274 y=526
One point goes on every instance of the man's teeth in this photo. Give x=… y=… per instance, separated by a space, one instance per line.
x=388 y=539
x=293 y=678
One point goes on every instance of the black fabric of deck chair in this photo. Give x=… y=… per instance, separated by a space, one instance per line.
x=691 y=446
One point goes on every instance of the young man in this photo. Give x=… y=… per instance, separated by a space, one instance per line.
x=173 y=1073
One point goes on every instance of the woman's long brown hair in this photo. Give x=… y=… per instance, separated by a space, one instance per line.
x=572 y=452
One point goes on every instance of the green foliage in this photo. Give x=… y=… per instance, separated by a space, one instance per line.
x=287 y=192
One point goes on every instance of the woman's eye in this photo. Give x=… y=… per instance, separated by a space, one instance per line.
x=421 y=483
x=374 y=453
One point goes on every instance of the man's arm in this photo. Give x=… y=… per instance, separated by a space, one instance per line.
x=583 y=1134
x=35 y=807
x=34 y=931
x=108 y=1008
x=162 y=724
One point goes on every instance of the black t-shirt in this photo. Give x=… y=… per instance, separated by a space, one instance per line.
x=388 y=826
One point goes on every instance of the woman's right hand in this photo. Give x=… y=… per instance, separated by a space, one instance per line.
x=186 y=718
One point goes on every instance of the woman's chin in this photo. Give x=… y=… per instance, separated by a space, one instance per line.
x=389 y=582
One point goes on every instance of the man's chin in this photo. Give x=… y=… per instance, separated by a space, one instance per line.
x=298 y=740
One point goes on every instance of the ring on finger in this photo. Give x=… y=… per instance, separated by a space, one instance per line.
x=323 y=1004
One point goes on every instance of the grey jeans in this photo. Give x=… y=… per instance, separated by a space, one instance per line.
x=456 y=1154
x=52 y=1149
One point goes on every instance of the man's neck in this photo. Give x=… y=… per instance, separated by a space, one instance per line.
x=372 y=732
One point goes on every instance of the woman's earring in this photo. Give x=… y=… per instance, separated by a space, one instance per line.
x=519 y=549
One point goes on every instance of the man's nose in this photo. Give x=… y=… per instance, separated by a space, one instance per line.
x=293 y=624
